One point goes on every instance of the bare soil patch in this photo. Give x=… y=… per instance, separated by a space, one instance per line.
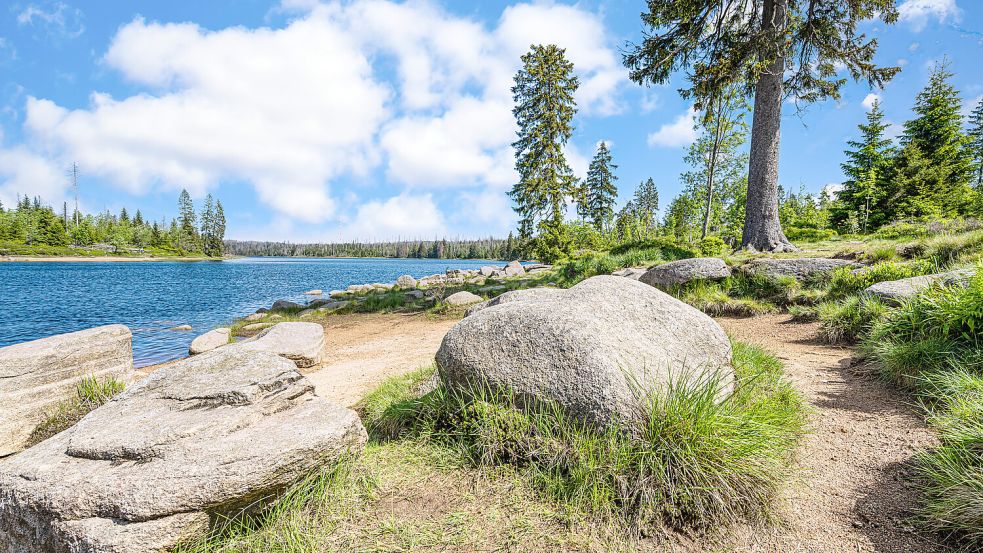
x=855 y=492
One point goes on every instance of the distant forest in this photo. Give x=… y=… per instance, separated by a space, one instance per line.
x=485 y=248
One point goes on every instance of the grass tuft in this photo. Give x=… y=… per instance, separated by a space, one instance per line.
x=90 y=392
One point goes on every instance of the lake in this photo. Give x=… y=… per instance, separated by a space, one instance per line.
x=39 y=299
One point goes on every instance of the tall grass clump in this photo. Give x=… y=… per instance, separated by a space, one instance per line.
x=693 y=462
x=846 y=282
x=931 y=345
x=713 y=299
x=90 y=392
x=848 y=320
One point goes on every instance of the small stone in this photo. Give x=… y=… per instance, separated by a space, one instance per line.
x=314 y=292
x=182 y=328
x=406 y=282
x=463 y=298
x=209 y=341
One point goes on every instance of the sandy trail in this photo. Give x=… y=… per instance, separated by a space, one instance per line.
x=855 y=492
x=361 y=351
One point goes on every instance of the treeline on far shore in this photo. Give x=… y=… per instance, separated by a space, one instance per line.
x=483 y=248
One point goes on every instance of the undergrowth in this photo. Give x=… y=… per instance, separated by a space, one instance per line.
x=90 y=392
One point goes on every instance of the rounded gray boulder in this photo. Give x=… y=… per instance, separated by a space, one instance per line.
x=685 y=271
x=597 y=349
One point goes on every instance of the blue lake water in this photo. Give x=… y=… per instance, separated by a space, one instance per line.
x=39 y=299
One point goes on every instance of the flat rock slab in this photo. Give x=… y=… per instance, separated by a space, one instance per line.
x=209 y=341
x=37 y=375
x=685 y=271
x=209 y=435
x=896 y=291
x=299 y=342
x=463 y=298
x=595 y=349
x=802 y=268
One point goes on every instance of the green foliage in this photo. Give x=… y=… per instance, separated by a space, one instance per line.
x=90 y=393
x=975 y=135
x=901 y=229
x=599 y=191
x=797 y=234
x=866 y=170
x=846 y=282
x=696 y=462
x=670 y=248
x=712 y=246
x=849 y=319
x=544 y=109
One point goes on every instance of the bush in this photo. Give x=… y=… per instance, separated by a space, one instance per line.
x=696 y=462
x=712 y=246
x=669 y=248
x=809 y=234
x=901 y=229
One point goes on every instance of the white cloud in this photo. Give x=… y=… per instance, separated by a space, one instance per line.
x=24 y=173
x=56 y=19
x=680 y=132
x=832 y=189
x=404 y=216
x=902 y=62
x=918 y=12
x=340 y=90
x=649 y=102
x=970 y=105
x=869 y=100
x=913 y=46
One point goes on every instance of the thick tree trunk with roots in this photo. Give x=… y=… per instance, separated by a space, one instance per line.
x=762 y=229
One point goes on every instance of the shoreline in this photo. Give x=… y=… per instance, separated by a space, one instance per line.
x=96 y=258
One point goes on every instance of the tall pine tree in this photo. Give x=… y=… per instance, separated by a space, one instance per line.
x=646 y=206
x=866 y=191
x=773 y=48
x=600 y=192
x=208 y=226
x=218 y=228
x=188 y=232
x=544 y=109
x=937 y=133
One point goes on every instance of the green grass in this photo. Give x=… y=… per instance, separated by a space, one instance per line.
x=695 y=464
x=931 y=346
x=464 y=472
x=90 y=393
x=849 y=319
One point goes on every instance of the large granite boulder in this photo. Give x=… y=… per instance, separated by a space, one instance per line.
x=297 y=341
x=462 y=298
x=514 y=268
x=594 y=349
x=686 y=270
x=209 y=341
x=36 y=376
x=514 y=295
x=208 y=436
x=285 y=304
x=803 y=268
x=406 y=282
x=896 y=291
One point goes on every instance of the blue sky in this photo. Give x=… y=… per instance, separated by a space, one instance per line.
x=316 y=121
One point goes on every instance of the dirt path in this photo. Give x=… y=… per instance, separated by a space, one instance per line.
x=361 y=351
x=855 y=492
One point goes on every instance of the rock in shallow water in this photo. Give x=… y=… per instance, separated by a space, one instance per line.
x=36 y=375
x=209 y=435
x=591 y=348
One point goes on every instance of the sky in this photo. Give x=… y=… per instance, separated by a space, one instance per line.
x=372 y=120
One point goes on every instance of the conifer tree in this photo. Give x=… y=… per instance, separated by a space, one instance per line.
x=544 y=110
x=208 y=226
x=219 y=228
x=975 y=134
x=645 y=206
x=936 y=131
x=188 y=237
x=600 y=191
x=866 y=189
x=773 y=48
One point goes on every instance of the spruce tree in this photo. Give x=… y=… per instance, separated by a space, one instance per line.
x=600 y=191
x=544 y=109
x=188 y=233
x=774 y=49
x=207 y=226
x=646 y=205
x=866 y=188
x=219 y=228
x=975 y=134
x=936 y=131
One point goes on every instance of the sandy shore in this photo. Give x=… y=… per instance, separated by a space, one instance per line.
x=99 y=258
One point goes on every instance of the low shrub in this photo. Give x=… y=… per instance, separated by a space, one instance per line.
x=809 y=234
x=901 y=229
x=90 y=392
x=670 y=249
x=695 y=463
x=381 y=302
x=712 y=246
x=845 y=281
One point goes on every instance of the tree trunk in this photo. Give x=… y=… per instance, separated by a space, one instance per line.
x=762 y=229
x=712 y=167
